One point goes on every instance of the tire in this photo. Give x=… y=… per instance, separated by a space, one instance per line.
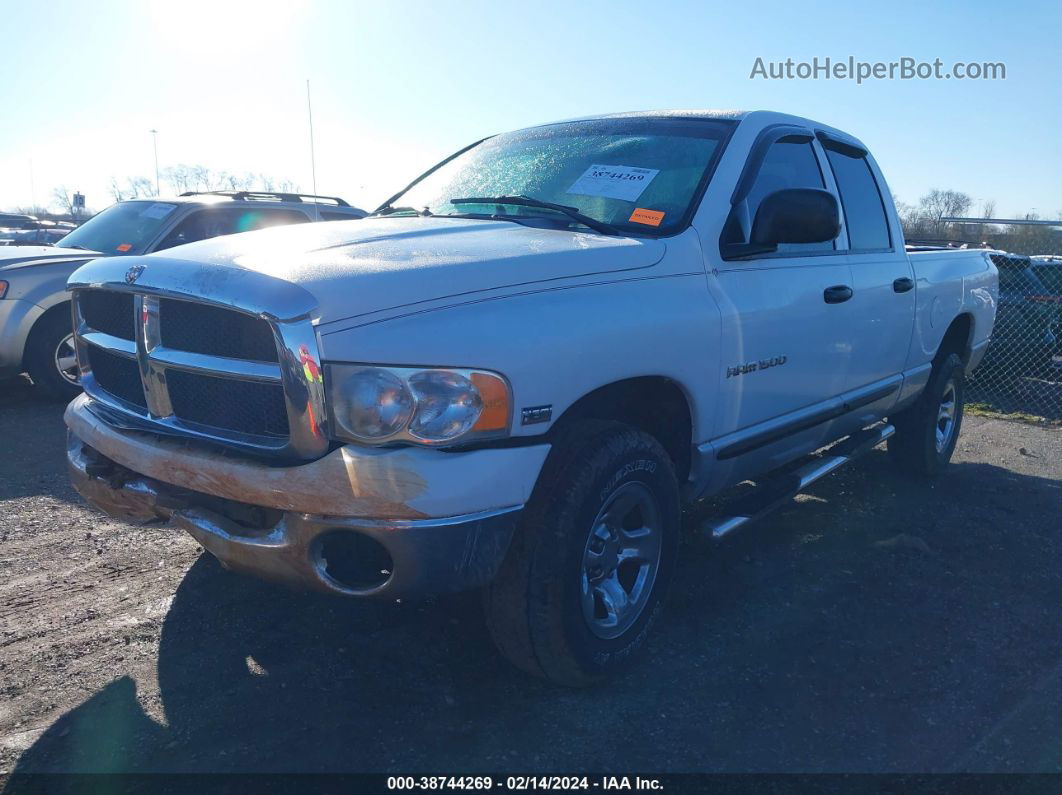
x=926 y=432
x=51 y=336
x=604 y=518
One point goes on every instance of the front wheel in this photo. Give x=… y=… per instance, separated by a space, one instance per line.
x=585 y=576
x=926 y=433
x=50 y=356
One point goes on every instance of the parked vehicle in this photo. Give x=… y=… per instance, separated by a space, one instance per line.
x=1028 y=332
x=67 y=225
x=35 y=327
x=44 y=236
x=515 y=371
x=16 y=220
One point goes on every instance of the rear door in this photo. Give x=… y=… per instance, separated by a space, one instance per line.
x=883 y=286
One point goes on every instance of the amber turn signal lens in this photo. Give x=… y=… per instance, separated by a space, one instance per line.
x=495 y=396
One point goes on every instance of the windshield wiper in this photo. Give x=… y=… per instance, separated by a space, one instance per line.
x=389 y=210
x=527 y=201
x=75 y=245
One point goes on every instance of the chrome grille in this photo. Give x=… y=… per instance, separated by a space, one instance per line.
x=243 y=406
x=191 y=368
x=201 y=328
x=118 y=376
x=111 y=313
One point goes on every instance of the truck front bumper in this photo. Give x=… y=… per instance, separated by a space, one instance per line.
x=368 y=535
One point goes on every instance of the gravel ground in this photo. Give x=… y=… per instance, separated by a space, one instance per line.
x=877 y=624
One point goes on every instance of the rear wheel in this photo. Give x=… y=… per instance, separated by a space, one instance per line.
x=50 y=356
x=585 y=576
x=926 y=433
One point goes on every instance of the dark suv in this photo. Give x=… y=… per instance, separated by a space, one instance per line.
x=1028 y=333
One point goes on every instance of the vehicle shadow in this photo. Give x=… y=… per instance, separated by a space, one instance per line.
x=880 y=624
x=32 y=424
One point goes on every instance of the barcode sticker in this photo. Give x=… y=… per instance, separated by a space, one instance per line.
x=158 y=210
x=614 y=182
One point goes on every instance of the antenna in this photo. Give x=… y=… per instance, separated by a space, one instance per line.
x=313 y=161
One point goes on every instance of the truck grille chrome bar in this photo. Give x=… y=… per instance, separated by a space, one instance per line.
x=152 y=374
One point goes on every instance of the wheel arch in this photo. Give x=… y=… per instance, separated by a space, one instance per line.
x=61 y=308
x=958 y=339
x=655 y=404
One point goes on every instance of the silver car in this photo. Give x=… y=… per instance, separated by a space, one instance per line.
x=35 y=325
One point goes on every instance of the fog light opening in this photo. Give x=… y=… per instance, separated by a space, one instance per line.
x=353 y=561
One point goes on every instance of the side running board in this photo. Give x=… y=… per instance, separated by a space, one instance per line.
x=777 y=491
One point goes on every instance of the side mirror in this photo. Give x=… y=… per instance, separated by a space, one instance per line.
x=796 y=215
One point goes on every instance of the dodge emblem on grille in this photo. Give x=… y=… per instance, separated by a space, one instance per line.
x=133 y=273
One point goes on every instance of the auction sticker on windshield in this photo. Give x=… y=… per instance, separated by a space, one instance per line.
x=158 y=210
x=614 y=182
x=643 y=216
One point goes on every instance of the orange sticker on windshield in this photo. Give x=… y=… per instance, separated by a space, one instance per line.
x=125 y=246
x=649 y=217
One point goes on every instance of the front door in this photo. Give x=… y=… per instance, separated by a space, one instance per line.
x=785 y=317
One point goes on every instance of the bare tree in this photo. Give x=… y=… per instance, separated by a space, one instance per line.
x=116 y=190
x=184 y=178
x=938 y=204
x=133 y=188
x=31 y=209
x=65 y=199
x=141 y=188
x=179 y=178
x=923 y=220
x=910 y=218
x=980 y=232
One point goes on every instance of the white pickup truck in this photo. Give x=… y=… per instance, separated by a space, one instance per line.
x=513 y=374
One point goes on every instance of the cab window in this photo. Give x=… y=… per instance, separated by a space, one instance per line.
x=789 y=163
x=864 y=212
x=217 y=221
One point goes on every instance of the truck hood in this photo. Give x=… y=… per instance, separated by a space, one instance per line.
x=12 y=257
x=383 y=266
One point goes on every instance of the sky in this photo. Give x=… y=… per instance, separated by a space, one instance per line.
x=396 y=86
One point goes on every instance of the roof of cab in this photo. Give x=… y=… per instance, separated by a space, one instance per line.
x=758 y=118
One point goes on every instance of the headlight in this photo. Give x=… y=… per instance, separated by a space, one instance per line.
x=378 y=405
x=372 y=404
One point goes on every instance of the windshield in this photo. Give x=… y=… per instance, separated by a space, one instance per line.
x=637 y=175
x=123 y=228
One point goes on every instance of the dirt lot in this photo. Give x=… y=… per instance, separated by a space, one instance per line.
x=879 y=624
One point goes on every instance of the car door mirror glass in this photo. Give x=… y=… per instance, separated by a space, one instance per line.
x=796 y=215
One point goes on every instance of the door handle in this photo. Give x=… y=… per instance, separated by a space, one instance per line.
x=837 y=294
x=902 y=285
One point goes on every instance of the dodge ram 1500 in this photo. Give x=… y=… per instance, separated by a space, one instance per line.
x=514 y=372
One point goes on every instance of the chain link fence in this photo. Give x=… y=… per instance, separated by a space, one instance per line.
x=1022 y=370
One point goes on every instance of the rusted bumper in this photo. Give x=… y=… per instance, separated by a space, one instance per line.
x=398 y=552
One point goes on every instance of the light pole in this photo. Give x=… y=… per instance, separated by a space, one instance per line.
x=313 y=161
x=155 y=144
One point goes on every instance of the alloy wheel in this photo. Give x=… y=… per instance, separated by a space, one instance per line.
x=621 y=560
